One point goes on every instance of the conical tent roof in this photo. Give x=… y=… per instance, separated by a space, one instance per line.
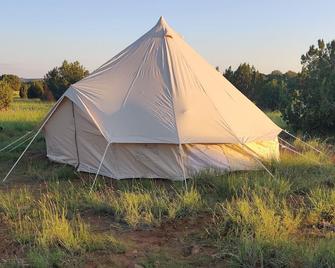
x=159 y=90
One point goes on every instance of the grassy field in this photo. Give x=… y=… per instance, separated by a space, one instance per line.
x=240 y=219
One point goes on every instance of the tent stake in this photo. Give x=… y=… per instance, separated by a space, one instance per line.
x=102 y=160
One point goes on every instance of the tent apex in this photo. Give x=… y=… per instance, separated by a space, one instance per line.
x=162 y=21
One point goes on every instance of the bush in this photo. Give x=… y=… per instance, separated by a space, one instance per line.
x=13 y=81
x=24 y=91
x=60 y=78
x=6 y=95
x=312 y=102
x=35 y=90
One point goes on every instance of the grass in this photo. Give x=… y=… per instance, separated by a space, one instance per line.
x=276 y=117
x=252 y=219
x=22 y=115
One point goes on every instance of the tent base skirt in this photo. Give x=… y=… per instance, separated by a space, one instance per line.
x=124 y=161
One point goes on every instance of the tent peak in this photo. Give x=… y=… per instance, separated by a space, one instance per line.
x=162 y=22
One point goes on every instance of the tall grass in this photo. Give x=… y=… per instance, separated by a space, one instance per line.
x=254 y=220
x=140 y=206
x=263 y=217
x=46 y=223
x=23 y=115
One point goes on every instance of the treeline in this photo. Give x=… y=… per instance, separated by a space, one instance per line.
x=268 y=92
x=51 y=87
x=306 y=99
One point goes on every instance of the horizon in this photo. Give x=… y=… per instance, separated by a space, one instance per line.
x=271 y=36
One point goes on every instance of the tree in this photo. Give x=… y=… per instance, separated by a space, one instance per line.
x=229 y=74
x=290 y=74
x=246 y=79
x=276 y=74
x=35 y=90
x=24 y=90
x=6 y=95
x=12 y=80
x=60 y=78
x=312 y=102
x=269 y=92
x=272 y=95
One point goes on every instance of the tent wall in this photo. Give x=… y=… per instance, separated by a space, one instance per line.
x=124 y=160
x=59 y=134
x=141 y=160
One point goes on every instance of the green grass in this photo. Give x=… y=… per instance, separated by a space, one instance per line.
x=23 y=115
x=253 y=220
x=141 y=206
x=276 y=117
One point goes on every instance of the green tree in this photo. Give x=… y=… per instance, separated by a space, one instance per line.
x=6 y=95
x=272 y=95
x=229 y=74
x=35 y=90
x=24 y=90
x=276 y=74
x=12 y=80
x=60 y=78
x=246 y=78
x=312 y=101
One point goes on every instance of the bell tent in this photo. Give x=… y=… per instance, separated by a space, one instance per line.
x=158 y=110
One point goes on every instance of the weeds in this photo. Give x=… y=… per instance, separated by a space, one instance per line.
x=257 y=221
x=264 y=217
x=140 y=206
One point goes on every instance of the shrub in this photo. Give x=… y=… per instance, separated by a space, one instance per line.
x=24 y=91
x=6 y=95
x=13 y=81
x=35 y=90
x=311 y=107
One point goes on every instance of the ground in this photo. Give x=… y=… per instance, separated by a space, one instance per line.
x=241 y=219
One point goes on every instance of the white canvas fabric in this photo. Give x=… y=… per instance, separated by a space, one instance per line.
x=70 y=129
x=159 y=90
x=165 y=111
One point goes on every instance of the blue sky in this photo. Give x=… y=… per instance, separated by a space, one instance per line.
x=37 y=35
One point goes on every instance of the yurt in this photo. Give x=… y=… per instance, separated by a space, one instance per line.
x=158 y=110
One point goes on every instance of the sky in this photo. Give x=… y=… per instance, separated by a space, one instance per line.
x=37 y=35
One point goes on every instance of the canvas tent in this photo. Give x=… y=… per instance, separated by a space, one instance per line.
x=158 y=110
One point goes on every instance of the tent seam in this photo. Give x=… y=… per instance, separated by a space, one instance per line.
x=169 y=60
x=137 y=74
x=75 y=135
